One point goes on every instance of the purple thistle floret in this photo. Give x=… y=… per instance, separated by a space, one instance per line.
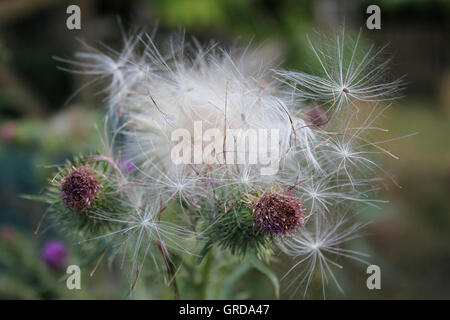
x=55 y=255
x=128 y=165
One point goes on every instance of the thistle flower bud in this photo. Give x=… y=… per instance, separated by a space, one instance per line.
x=278 y=213
x=79 y=189
x=54 y=254
x=7 y=234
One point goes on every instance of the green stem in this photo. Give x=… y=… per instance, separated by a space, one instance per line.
x=206 y=274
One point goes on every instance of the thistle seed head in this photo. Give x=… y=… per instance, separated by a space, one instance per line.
x=278 y=213
x=79 y=189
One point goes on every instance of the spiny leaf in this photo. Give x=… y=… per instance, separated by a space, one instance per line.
x=36 y=198
x=99 y=251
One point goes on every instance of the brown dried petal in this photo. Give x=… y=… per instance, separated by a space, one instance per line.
x=278 y=213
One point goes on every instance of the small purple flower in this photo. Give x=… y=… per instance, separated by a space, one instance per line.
x=55 y=255
x=128 y=165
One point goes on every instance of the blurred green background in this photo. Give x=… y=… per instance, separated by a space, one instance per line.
x=409 y=238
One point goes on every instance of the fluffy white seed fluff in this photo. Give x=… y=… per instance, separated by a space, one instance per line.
x=151 y=93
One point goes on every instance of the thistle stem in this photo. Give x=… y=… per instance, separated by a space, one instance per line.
x=206 y=273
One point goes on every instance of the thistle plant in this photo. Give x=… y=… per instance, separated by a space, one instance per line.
x=225 y=152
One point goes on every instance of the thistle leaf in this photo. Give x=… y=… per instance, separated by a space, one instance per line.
x=231 y=279
x=261 y=267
